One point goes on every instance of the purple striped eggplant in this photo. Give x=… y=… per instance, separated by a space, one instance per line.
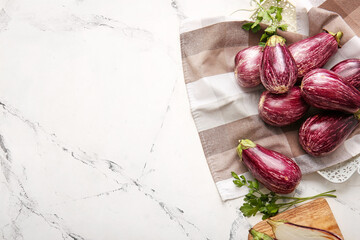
x=314 y=52
x=284 y=230
x=325 y=89
x=349 y=70
x=275 y=171
x=247 y=65
x=323 y=133
x=278 y=72
x=282 y=109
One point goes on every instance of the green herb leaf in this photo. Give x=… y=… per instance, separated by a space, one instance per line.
x=266 y=216
x=265 y=203
x=262 y=44
x=264 y=15
x=253 y=202
x=283 y=27
x=278 y=15
x=235 y=175
x=247 y=26
x=264 y=198
x=243 y=179
x=264 y=37
x=261 y=1
x=256 y=28
x=248 y=210
x=272 y=9
x=272 y=208
x=254 y=184
x=238 y=183
x=262 y=209
x=258 y=20
x=271 y=30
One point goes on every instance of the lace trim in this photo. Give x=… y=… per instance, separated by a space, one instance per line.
x=341 y=172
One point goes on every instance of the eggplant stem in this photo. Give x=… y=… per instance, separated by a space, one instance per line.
x=357 y=115
x=244 y=144
x=259 y=235
x=275 y=39
x=337 y=36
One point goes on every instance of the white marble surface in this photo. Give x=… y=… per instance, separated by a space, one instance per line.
x=96 y=136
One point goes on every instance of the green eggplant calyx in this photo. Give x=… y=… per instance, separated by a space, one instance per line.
x=357 y=115
x=337 y=36
x=274 y=40
x=244 y=144
x=259 y=235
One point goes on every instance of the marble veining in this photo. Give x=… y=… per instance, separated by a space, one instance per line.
x=110 y=169
x=178 y=9
x=239 y=227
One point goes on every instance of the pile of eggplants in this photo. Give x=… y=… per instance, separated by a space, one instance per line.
x=280 y=69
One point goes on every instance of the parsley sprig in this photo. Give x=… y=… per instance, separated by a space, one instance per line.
x=273 y=15
x=266 y=203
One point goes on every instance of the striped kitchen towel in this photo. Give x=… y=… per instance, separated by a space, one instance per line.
x=224 y=112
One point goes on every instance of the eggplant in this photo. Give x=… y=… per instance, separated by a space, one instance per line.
x=349 y=70
x=282 y=109
x=247 y=65
x=259 y=235
x=278 y=72
x=284 y=230
x=275 y=171
x=323 y=133
x=314 y=52
x=325 y=89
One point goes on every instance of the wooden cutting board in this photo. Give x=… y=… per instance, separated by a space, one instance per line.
x=316 y=213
